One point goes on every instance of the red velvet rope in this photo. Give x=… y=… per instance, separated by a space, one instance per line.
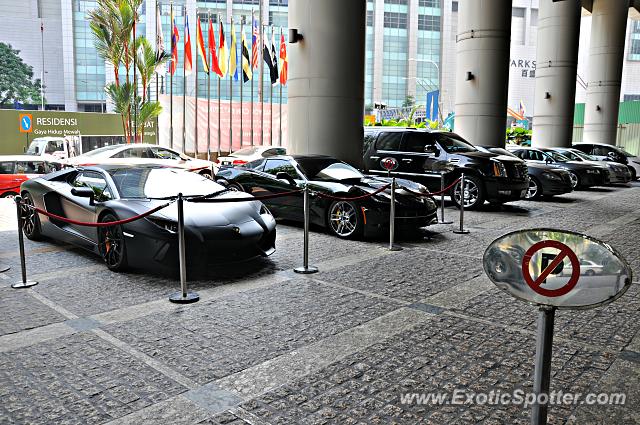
x=10 y=188
x=105 y=224
x=357 y=198
x=445 y=190
x=255 y=198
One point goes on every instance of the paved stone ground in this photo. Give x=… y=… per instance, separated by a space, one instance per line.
x=266 y=346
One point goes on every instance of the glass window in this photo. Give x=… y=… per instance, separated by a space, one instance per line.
x=6 y=167
x=517 y=12
x=257 y=165
x=452 y=143
x=600 y=151
x=428 y=23
x=328 y=169
x=395 y=20
x=404 y=2
x=151 y=182
x=428 y=3
x=30 y=167
x=274 y=152
x=389 y=141
x=416 y=141
x=275 y=166
x=94 y=181
x=162 y=153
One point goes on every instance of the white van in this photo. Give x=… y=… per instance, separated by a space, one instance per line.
x=59 y=147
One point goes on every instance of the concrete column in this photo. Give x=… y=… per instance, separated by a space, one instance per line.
x=606 y=56
x=326 y=78
x=482 y=49
x=556 y=68
x=378 y=50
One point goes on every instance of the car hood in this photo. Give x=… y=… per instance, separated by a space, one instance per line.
x=576 y=165
x=545 y=167
x=490 y=155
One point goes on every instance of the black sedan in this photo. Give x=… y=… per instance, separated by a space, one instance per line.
x=582 y=175
x=544 y=179
x=332 y=178
x=214 y=232
x=618 y=173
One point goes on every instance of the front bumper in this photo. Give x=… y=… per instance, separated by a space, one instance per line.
x=377 y=221
x=504 y=189
x=556 y=187
x=591 y=179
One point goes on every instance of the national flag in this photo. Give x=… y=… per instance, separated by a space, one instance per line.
x=160 y=52
x=215 y=66
x=222 y=50
x=175 y=37
x=255 y=43
x=514 y=114
x=274 y=55
x=521 y=109
x=266 y=54
x=284 y=62
x=233 y=53
x=246 y=62
x=188 y=61
x=200 y=47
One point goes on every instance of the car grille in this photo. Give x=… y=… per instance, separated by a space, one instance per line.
x=566 y=177
x=517 y=171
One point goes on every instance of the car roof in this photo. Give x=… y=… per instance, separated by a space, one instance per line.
x=28 y=158
x=110 y=167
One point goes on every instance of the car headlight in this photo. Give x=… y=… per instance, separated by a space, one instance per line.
x=499 y=170
x=551 y=176
x=168 y=225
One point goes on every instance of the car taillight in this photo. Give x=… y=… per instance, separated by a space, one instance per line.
x=216 y=161
x=239 y=162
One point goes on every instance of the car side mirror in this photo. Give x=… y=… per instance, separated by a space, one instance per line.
x=432 y=150
x=612 y=156
x=84 y=192
x=284 y=176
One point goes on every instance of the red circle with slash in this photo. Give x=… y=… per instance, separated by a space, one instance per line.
x=565 y=251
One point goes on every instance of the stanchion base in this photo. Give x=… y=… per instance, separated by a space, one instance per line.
x=445 y=222
x=306 y=270
x=177 y=298
x=21 y=284
x=395 y=248
x=4 y=269
x=461 y=232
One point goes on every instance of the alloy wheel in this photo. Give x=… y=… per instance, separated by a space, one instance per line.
x=532 y=191
x=343 y=219
x=111 y=243
x=574 y=179
x=471 y=193
x=28 y=216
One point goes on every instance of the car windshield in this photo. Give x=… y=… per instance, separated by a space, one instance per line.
x=501 y=151
x=148 y=182
x=572 y=155
x=245 y=152
x=100 y=151
x=581 y=155
x=452 y=143
x=328 y=169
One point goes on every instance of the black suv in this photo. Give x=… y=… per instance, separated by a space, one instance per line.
x=423 y=154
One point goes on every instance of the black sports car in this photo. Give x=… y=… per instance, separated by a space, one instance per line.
x=214 y=232
x=329 y=176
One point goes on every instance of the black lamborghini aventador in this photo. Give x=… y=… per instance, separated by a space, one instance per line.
x=214 y=232
x=327 y=175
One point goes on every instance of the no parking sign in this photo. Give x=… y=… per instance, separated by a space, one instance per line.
x=555 y=269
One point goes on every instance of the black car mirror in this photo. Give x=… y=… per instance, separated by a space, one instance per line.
x=612 y=156
x=284 y=176
x=432 y=150
x=84 y=192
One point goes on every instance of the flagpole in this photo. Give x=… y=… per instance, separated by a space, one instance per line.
x=280 y=132
x=42 y=53
x=196 y=72
x=261 y=91
x=241 y=79
x=184 y=85
x=231 y=51
x=271 y=103
x=209 y=89
x=135 y=81
x=219 y=96
x=171 y=81
x=253 y=18
x=157 y=87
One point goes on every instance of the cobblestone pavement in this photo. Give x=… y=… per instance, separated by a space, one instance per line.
x=351 y=344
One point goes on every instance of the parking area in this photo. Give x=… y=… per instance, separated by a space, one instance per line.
x=345 y=345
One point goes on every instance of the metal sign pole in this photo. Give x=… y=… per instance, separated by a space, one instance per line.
x=463 y=198
x=24 y=283
x=306 y=268
x=183 y=297
x=542 y=374
x=442 y=186
x=392 y=218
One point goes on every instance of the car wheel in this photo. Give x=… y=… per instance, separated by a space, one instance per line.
x=207 y=174
x=235 y=186
x=590 y=272
x=473 y=193
x=9 y=195
x=575 y=180
x=535 y=189
x=30 y=219
x=345 y=220
x=634 y=174
x=111 y=244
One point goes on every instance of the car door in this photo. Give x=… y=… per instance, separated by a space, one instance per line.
x=81 y=209
x=287 y=206
x=420 y=157
x=386 y=145
x=8 y=177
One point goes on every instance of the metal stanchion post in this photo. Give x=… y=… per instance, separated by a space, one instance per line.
x=24 y=283
x=463 y=198
x=183 y=297
x=442 y=219
x=392 y=218
x=542 y=373
x=306 y=268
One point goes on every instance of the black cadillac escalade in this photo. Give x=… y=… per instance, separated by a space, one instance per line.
x=423 y=154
